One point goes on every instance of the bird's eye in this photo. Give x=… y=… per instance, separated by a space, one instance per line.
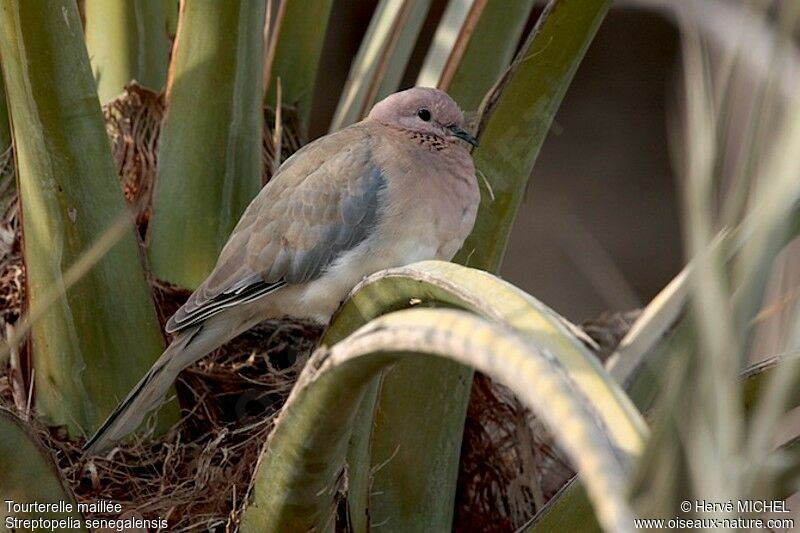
x=424 y=114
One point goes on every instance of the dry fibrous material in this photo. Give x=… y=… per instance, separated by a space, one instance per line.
x=133 y=123
x=196 y=474
x=287 y=139
x=12 y=280
x=509 y=465
x=608 y=329
x=12 y=274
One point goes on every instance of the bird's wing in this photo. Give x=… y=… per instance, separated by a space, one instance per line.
x=322 y=202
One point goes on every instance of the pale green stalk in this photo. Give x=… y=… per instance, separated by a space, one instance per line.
x=209 y=166
x=127 y=40
x=94 y=342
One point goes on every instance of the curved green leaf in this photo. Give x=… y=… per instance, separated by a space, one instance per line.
x=396 y=433
x=382 y=58
x=5 y=125
x=28 y=474
x=209 y=166
x=127 y=40
x=568 y=510
x=442 y=284
x=517 y=119
x=454 y=29
x=296 y=40
x=70 y=197
x=488 y=52
x=296 y=482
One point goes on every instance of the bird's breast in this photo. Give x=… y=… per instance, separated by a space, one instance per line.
x=425 y=211
x=437 y=200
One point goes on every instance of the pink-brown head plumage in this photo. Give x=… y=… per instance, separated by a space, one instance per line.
x=422 y=110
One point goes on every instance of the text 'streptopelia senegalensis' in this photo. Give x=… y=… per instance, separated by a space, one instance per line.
x=395 y=188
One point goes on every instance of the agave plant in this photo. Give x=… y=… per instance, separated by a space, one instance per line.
x=371 y=433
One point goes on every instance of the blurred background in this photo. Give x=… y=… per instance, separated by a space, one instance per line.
x=603 y=183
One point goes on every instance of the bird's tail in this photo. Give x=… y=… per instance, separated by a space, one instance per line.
x=188 y=346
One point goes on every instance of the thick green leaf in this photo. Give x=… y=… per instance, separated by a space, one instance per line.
x=28 y=474
x=382 y=58
x=442 y=284
x=296 y=40
x=171 y=16
x=8 y=189
x=423 y=482
x=88 y=348
x=5 y=125
x=127 y=40
x=638 y=364
x=420 y=405
x=568 y=510
x=296 y=482
x=488 y=52
x=209 y=164
x=473 y=45
x=455 y=29
x=518 y=117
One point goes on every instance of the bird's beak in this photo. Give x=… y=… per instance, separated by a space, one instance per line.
x=463 y=135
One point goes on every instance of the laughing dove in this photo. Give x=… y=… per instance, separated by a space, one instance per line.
x=395 y=188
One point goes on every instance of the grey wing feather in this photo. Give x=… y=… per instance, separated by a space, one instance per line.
x=322 y=202
x=358 y=214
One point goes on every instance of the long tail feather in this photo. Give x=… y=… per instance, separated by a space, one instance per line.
x=184 y=350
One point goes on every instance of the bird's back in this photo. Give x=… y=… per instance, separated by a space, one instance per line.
x=322 y=201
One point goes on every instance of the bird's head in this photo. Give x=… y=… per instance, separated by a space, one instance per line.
x=423 y=110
